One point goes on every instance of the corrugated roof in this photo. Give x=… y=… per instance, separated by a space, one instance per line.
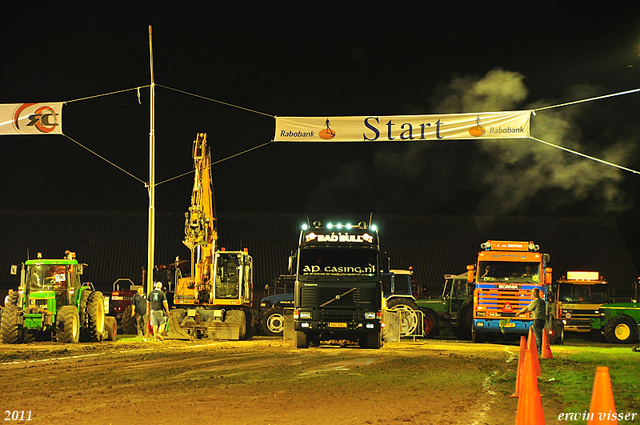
x=114 y=244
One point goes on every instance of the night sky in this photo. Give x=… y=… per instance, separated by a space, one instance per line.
x=325 y=59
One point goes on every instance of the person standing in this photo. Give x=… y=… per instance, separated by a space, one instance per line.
x=139 y=309
x=156 y=305
x=539 y=312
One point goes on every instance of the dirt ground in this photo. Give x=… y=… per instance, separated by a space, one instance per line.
x=263 y=381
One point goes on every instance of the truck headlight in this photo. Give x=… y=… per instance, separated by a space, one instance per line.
x=370 y=315
x=305 y=315
x=481 y=313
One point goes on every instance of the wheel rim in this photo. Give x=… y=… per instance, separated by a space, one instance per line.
x=623 y=332
x=74 y=327
x=408 y=319
x=100 y=320
x=275 y=323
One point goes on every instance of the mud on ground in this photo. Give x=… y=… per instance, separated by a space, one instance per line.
x=264 y=381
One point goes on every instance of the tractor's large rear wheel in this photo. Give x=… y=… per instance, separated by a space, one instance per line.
x=128 y=322
x=409 y=316
x=68 y=324
x=93 y=325
x=11 y=331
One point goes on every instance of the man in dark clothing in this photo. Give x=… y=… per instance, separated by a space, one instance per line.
x=539 y=313
x=139 y=309
x=156 y=305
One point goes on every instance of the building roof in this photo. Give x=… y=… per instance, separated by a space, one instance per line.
x=114 y=244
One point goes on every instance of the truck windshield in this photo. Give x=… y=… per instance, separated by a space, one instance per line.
x=584 y=293
x=508 y=271
x=45 y=277
x=337 y=262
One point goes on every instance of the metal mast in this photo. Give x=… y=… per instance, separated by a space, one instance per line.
x=152 y=177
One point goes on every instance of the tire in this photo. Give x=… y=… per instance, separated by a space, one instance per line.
x=11 y=331
x=302 y=340
x=68 y=324
x=557 y=337
x=28 y=336
x=408 y=316
x=110 y=328
x=272 y=322
x=621 y=330
x=93 y=325
x=128 y=323
x=477 y=337
x=560 y=337
x=372 y=340
x=596 y=335
x=238 y=316
x=430 y=324
x=465 y=324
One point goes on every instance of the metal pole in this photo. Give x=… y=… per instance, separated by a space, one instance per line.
x=152 y=177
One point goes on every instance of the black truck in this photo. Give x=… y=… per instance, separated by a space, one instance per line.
x=338 y=289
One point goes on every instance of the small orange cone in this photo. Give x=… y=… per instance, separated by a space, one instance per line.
x=523 y=350
x=529 y=403
x=603 y=408
x=546 y=347
x=533 y=347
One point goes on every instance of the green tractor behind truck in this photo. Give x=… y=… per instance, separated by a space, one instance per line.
x=620 y=322
x=454 y=309
x=52 y=304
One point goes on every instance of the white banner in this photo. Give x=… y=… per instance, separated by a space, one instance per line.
x=31 y=118
x=404 y=128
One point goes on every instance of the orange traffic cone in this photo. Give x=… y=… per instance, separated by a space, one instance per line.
x=546 y=347
x=523 y=350
x=603 y=408
x=529 y=404
x=533 y=347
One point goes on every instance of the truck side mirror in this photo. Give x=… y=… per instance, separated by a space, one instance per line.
x=470 y=273
x=14 y=269
x=290 y=265
x=548 y=276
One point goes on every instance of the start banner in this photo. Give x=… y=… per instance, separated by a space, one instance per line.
x=31 y=118
x=404 y=128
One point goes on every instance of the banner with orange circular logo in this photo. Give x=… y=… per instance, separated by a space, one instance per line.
x=31 y=118
x=404 y=128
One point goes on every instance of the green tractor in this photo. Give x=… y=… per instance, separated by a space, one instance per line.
x=619 y=322
x=52 y=304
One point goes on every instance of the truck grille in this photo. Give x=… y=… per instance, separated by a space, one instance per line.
x=337 y=316
x=313 y=296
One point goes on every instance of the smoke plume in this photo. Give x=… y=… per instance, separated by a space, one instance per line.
x=492 y=177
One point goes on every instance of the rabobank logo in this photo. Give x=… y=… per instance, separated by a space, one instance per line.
x=477 y=130
x=327 y=133
x=307 y=131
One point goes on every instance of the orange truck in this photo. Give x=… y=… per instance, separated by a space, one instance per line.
x=504 y=276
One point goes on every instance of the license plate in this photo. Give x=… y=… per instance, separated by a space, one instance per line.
x=337 y=325
x=510 y=325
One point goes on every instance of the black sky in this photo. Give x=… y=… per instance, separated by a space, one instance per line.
x=322 y=59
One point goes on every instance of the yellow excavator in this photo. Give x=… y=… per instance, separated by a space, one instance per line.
x=216 y=299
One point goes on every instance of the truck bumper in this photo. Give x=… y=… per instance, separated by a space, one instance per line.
x=493 y=326
x=336 y=327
